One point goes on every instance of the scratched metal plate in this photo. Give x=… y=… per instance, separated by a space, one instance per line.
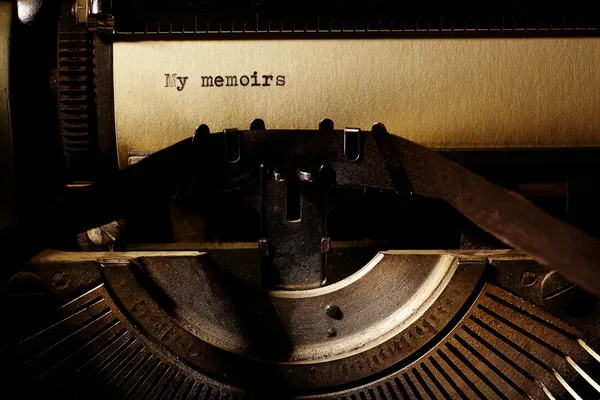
x=115 y=328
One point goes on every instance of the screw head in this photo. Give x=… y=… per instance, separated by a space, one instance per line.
x=59 y=280
x=528 y=279
x=333 y=311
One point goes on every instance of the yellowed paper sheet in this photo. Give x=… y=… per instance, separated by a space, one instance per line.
x=438 y=92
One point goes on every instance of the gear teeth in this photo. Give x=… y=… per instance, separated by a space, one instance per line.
x=76 y=97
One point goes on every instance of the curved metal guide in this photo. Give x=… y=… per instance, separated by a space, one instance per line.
x=98 y=330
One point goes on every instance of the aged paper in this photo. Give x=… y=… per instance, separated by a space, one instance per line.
x=438 y=92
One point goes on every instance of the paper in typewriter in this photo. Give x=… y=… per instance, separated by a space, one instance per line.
x=455 y=93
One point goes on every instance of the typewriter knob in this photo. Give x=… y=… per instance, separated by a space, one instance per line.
x=27 y=10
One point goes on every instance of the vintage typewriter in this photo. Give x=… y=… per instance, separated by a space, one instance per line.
x=299 y=199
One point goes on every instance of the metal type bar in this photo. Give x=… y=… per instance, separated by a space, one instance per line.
x=506 y=215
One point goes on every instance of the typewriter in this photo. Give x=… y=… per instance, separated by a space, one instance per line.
x=261 y=199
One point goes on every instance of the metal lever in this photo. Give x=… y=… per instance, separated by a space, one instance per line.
x=505 y=214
